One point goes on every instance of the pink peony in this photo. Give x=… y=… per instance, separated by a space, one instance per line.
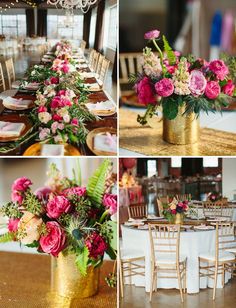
x=21 y=184
x=57 y=206
x=42 y=109
x=13 y=224
x=164 y=87
x=54 y=80
x=152 y=35
x=145 y=90
x=110 y=202
x=79 y=191
x=212 y=89
x=228 y=89
x=55 y=240
x=219 y=68
x=75 y=122
x=96 y=245
x=197 y=84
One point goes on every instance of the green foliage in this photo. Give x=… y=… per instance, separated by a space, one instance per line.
x=169 y=52
x=82 y=260
x=35 y=244
x=111 y=253
x=109 y=231
x=31 y=203
x=230 y=61
x=7 y=237
x=96 y=185
x=151 y=109
x=170 y=108
x=11 y=210
x=77 y=179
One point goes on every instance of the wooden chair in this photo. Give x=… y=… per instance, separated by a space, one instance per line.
x=99 y=64
x=91 y=55
x=183 y=197
x=223 y=260
x=94 y=62
x=2 y=80
x=137 y=211
x=104 y=70
x=83 y=45
x=212 y=209
x=160 y=207
x=129 y=64
x=10 y=71
x=165 y=256
x=130 y=263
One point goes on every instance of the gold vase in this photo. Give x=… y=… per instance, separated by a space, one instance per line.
x=67 y=281
x=179 y=219
x=184 y=129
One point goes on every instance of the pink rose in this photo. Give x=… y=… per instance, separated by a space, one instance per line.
x=75 y=122
x=173 y=212
x=57 y=206
x=219 y=68
x=13 y=224
x=21 y=184
x=65 y=68
x=110 y=202
x=16 y=196
x=197 y=84
x=96 y=245
x=55 y=103
x=164 y=87
x=55 y=240
x=212 y=89
x=54 y=80
x=145 y=90
x=152 y=35
x=79 y=191
x=56 y=117
x=228 y=89
x=42 y=109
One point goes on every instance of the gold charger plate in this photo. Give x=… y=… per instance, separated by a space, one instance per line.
x=34 y=150
x=93 y=133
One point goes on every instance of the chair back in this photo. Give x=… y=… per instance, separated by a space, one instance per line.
x=160 y=207
x=99 y=64
x=10 y=71
x=129 y=64
x=164 y=240
x=2 y=80
x=104 y=70
x=91 y=55
x=183 y=197
x=212 y=209
x=137 y=211
x=94 y=60
x=225 y=237
x=83 y=45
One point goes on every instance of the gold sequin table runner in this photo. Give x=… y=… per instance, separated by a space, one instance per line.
x=148 y=141
x=25 y=283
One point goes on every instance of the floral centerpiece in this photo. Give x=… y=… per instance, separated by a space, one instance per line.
x=214 y=196
x=68 y=222
x=183 y=87
x=175 y=210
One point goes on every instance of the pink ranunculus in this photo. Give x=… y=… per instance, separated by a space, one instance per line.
x=110 y=202
x=16 y=196
x=96 y=245
x=43 y=193
x=79 y=191
x=152 y=35
x=54 y=241
x=21 y=184
x=56 y=117
x=145 y=90
x=212 y=89
x=197 y=84
x=13 y=224
x=164 y=87
x=75 y=122
x=54 y=80
x=219 y=68
x=42 y=109
x=57 y=206
x=228 y=89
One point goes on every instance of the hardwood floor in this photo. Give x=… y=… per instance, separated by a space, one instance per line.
x=136 y=297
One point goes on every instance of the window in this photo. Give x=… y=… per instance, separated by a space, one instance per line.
x=65 y=26
x=176 y=162
x=93 y=27
x=210 y=162
x=110 y=37
x=151 y=167
x=13 y=25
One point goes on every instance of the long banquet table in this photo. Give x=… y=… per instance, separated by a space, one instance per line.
x=192 y=243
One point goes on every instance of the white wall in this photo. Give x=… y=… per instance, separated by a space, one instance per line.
x=229 y=178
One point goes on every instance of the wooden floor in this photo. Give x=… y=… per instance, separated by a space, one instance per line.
x=135 y=297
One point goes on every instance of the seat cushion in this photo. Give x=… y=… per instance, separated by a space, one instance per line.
x=131 y=254
x=223 y=256
x=168 y=259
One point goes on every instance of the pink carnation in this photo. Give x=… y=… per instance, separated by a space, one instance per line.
x=151 y=35
x=54 y=241
x=96 y=245
x=212 y=89
x=164 y=87
x=197 y=83
x=21 y=184
x=145 y=90
x=57 y=206
x=110 y=202
x=13 y=224
x=219 y=68
x=228 y=89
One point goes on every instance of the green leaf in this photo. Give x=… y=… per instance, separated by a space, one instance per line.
x=35 y=244
x=169 y=52
x=170 y=108
x=82 y=261
x=96 y=185
x=77 y=234
x=113 y=228
x=7 y=237
x=111 y=253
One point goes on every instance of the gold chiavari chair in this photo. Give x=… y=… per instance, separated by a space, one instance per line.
x=227 y=212
x=130 y=263
x=83 y=45
x=137 y=211
x=10 y=71
x=91 y=55
x=183 y=197
x=99 y=64
x=222 y=261
x=2 y=80
x=165 y=256
x=160 y=207
x=104 y=70
x=94 y=62
x=212 y=209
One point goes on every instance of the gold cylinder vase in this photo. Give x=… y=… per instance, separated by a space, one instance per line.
x=179 y=219
x=67 y=281
x=184 y=129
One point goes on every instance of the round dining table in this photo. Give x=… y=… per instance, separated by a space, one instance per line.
x=192 y=244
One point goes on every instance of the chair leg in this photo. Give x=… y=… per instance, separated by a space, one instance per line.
x=215 y=281
x=185 y=278
x=130 y=280
x=180 y=285
x=121 y=280
x=152 y=282
x=223 y=275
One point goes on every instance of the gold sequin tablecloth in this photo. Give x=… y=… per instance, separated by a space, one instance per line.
x=25 y=283
x=148 y=141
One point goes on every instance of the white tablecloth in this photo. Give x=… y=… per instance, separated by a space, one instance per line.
x=191 y=245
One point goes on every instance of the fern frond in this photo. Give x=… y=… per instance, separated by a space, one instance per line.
x=169 y=52
x=7 y=237
x=96 y=185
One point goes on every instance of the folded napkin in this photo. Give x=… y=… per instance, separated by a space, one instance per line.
x=52 y=150
x=105 y=142
x=101 y=107
x=92 y=86
x=88 y=75
x=14 y=102
x=32 y=85
x=82 y=66
x=9 y=129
